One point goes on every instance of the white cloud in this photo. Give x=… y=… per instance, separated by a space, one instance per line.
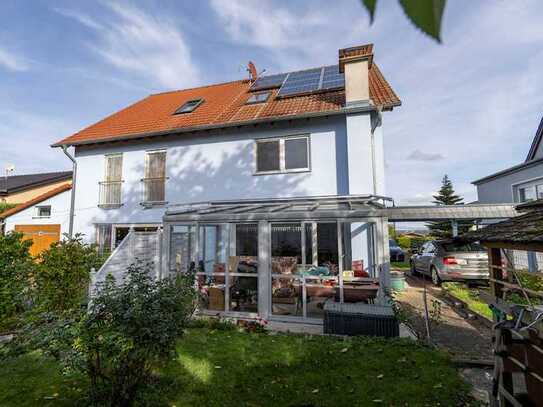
x=294 y=34
x=80 y=18
x=417 y=155
x=30 y=137
x=265 y=24
x=12 y=62
x=138 y=42
x=476 y=97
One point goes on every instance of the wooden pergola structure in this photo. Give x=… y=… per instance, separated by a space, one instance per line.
x=518 y=329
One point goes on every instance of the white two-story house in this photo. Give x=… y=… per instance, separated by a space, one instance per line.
x=316 y=132
x=311 y=133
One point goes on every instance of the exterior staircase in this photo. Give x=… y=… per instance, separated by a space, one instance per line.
x=143 y=247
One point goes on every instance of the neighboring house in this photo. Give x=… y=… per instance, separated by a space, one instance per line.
x=520 y=183
x=517 y=184
x=43 y=219
x=18 y=189
x=316 y=132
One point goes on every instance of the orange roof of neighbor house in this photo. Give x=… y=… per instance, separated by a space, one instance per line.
x=36 y=200
x=224 y=106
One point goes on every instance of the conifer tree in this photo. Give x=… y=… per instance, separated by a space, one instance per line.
x=447 y=196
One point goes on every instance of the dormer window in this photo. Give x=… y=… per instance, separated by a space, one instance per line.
x=259 y=97
x=189 y=106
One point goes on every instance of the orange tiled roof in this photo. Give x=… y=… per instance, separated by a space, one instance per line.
x=36 y=200
x=224 y=105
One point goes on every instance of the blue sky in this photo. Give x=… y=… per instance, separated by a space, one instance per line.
x=470 y=105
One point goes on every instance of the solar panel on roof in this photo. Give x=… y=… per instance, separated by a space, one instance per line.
x=312 y=80
x=332 y=78
x=268 y=82
x=301 y=82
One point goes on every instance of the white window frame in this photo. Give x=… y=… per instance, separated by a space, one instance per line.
x=535 y=183
x=38 y=216
x=282 y=156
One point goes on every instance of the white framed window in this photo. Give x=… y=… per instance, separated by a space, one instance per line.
x=154 y=181
x=111 y=186
x=539 y=191
x=526 y=194
x=43 y=211
x=282 y=155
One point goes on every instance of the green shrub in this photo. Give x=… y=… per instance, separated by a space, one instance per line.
x=15 y=268
x=531 y=281
x=128 y=331
x=404 y=242
x=63 y=274
x=4 y=206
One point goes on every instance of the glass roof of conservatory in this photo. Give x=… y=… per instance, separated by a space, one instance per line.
x=332 y=207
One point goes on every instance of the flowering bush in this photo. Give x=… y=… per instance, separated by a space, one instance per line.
x=127 y=332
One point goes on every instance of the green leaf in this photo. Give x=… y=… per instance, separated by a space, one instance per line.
x=426 y=15
x=370 y=6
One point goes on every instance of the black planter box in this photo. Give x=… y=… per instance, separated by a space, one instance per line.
x=360 y=319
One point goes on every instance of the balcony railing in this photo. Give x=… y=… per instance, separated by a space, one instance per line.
x=154 y=191
x=110 y=194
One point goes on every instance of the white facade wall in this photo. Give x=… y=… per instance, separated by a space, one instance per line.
x=360 y=154
x=378 y=143
x=60 y=214
x=220 y=165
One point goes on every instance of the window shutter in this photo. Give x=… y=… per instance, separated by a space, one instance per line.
x=156 y=165
x=155 y=177
x=114 y=168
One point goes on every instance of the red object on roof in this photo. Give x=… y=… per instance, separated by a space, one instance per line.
x=36 y=200
x=224 y=105
x=252 y=70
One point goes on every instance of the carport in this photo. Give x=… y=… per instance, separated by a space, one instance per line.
x=452 y=213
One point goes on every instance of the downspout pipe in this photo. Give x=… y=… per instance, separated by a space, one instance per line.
x=74 y=178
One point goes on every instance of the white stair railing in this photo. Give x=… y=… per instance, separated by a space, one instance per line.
x=142 y=247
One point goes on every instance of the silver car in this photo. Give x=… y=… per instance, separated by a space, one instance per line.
x=446 y=260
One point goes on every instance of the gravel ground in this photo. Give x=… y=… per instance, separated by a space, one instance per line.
x=463 y=339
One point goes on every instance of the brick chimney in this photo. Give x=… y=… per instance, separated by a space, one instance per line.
x=355 y=62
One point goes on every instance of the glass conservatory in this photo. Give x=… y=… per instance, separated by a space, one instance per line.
x=279 y=259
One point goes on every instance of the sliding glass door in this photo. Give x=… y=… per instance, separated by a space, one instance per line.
x=304 y=268
x=313 y=263
x=243 y=269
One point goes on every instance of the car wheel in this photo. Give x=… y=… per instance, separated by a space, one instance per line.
x=435 y=277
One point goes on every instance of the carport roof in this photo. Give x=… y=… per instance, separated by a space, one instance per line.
x=450 y=212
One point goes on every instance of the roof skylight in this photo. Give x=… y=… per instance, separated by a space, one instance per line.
x=259 y=97
x=189 y=106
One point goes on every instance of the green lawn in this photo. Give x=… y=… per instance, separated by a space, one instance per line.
x=470 y=296
x=233 y=368
x=399 y=265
